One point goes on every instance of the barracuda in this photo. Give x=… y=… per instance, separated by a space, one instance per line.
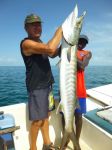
x=68 y=68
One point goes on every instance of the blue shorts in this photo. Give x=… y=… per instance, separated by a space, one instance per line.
x=82 y=108
x=38 y=104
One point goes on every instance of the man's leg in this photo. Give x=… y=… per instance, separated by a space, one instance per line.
x=38 y=110
x=48 y=145
x=78 y=117
x=78 y=123
x=35 y=126
x=45 y=132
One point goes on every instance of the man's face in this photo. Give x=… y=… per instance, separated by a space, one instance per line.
x=34 y=30
x=81 y=44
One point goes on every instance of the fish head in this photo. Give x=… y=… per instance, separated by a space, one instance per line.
x=77 y=29
x=79 y=21
x=72 y=27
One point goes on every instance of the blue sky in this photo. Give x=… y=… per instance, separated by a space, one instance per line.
x=97 y=26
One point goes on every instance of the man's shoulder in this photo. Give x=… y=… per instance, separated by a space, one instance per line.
x=23 y=41
x=83 y=52
x=87 y=52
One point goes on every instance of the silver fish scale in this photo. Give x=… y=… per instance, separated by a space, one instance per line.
x=69 y=88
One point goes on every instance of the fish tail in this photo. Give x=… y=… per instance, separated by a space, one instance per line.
x=72 y=137
x=74 y=141
x=64 y=139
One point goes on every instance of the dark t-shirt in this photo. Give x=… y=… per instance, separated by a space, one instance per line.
x=38 y=70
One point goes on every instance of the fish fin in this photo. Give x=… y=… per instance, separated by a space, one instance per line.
x=69 y=55
x=59 y=108
x=58 y=64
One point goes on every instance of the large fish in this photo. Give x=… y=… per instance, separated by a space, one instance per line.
x=68 y=68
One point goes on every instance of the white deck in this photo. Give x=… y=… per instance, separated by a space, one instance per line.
x=20 y=112
x=102 y=94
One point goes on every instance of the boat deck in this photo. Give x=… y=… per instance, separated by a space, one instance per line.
x=92 y=136
x=83 y=146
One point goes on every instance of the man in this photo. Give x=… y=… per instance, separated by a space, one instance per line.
x=38 y=77
x=83 y=58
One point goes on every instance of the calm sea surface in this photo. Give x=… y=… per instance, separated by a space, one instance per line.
x=12 y=82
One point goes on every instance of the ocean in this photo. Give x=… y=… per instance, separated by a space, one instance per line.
x=12 y=82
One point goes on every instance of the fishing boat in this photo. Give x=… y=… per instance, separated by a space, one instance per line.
x=94 y=135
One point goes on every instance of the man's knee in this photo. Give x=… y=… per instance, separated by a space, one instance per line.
x=78 y=117
x=38 y=123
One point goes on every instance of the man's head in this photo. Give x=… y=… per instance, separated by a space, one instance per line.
x=32 y=18
x=83 y=40
x=32 y=25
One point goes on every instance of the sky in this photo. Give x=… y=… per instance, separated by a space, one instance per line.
x=97 y=26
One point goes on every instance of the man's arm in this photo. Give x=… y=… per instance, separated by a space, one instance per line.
x=58 y=52
x=85 y=62
x=31 y=47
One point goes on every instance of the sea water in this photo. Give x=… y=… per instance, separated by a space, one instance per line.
x=13 y=89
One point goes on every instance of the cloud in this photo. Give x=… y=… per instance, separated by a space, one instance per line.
x=99 y=33
x=108 y=15
x=100 y=37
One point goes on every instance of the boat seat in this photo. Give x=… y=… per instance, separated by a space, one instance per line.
x=7 y=127
x=6 y=138
x=6 y=141
x=93 y=117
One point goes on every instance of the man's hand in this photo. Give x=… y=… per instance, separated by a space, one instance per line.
x=84 y=63
x=57 y=53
